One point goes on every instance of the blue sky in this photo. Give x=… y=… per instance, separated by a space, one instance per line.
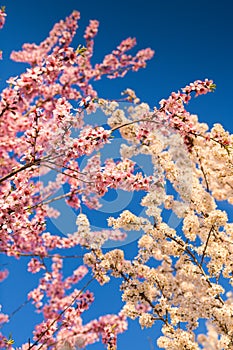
x=192 y=40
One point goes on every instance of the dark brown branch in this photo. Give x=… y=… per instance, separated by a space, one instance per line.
x=190 y=253
x=73 y=177
x=43 y=202
x=19 y=308
x=16 y=171
x=203 y=172
x=206 y=244
x=66 y=167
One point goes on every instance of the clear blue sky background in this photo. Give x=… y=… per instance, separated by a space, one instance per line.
x=192 y=40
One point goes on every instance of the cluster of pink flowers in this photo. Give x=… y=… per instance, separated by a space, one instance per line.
x=118 y=63
x=91 y=139
x=174 y=113
x=35 y=119
x=2 y=17
x=3 y=275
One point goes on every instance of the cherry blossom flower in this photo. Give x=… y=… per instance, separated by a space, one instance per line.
x=2 y=16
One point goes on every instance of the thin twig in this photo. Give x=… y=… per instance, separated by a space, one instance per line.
x=50 y=256
x=16 y=171
x=203 y=172
x=54 y=199
x=206 y=244
x=67 y=168
x=57 y=318
x=73 y=177
x=19 y=308
x=190 y=253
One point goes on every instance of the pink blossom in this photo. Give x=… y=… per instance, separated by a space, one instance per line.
x=35 y=266
x=3 y=275
x=2 y=17
x=3 y=318
x=91 y=30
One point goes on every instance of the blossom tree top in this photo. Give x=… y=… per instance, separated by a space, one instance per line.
x=45 y=127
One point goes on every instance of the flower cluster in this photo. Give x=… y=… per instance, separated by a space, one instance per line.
x=36 y=118
x=175 y=277
x=2 y=17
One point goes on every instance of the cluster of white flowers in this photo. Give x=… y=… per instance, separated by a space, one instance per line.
x=128 y=221
x=146 y=320
x=86 y=237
